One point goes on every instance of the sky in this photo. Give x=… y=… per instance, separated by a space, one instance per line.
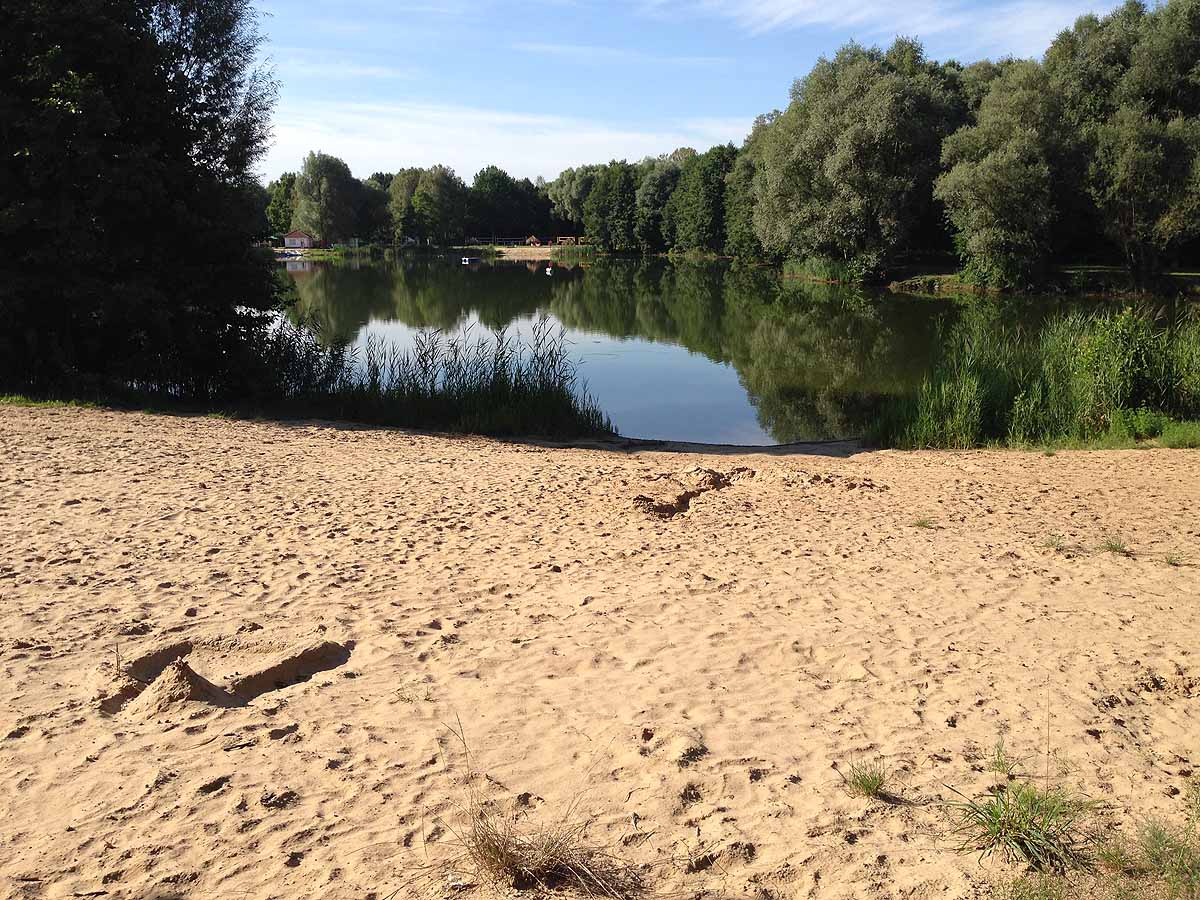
x=535 y=87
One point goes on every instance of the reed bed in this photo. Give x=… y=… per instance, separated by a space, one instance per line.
x=1083 y=378
x=486 y=385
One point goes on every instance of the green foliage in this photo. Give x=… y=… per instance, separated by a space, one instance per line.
x=653 y=195
x=999 y=189
x=868 y=778
x=610 y=211
x=848 y=169
x=129 y=208
x=281 y=205
x=697 y=206
x=495 y=386
x=325 y=192
x=1046 y=828
x=439 y=206
x=1112 y=377
x=1181 y=436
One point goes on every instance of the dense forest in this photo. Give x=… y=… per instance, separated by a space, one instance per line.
x=883 y=159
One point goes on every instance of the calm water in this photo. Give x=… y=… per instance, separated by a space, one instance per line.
x=695 y=352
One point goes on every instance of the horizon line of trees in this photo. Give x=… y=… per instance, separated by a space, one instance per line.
x=883 y=158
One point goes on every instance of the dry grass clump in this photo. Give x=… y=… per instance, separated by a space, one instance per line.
x=549 y=856
x=504 y=844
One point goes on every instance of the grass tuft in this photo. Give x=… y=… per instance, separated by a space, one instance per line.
x=505 y=847
x=1116 y=545
x=925 y=522
x=1045 y=828
x=1055 y=542
x=868 y=778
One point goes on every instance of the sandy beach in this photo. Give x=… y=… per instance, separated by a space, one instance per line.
x=234 y=654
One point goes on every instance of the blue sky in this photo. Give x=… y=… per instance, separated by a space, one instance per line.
x=535 y=87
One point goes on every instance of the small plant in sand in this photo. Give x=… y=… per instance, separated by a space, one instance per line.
x=1055 y=542
x=1001 y=762
x=1115 y=545
x=1174 y=560
x=504 y=847
x=868 y=778
x=1046 y=828
x=925 y=522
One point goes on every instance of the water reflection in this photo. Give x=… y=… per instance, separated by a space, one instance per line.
x=700 y=352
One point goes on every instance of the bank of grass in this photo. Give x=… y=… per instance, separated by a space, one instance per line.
x=491 y=385
x=1107 y=380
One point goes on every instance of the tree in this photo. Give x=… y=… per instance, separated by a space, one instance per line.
x=130 y=130
x=1001 y=190
x=569 y=192
x=650 y=202
x=400 y=204
x=698 y=204
x=282 y=203
x=325 y=198
x=439 y=204
x=1131 y=95
x=496 y=205
x=741 y=241
x=848 y=169
x=610 y=211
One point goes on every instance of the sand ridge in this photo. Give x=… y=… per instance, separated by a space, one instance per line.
x=231 y=652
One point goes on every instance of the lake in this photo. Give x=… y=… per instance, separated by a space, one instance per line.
x=703 y=352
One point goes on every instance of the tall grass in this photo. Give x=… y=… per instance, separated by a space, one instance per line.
x=1080 y=378
x=494 y=385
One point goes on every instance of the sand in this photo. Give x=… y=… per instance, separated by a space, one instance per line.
x=233 y=653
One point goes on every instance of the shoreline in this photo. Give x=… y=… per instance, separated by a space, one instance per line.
x=689 y=645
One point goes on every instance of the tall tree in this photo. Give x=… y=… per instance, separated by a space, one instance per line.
x=128 y=130
x=282 y=203
x=440 y=205
x=653 y=194
x=1003 y=187
x=325 y=198
x=848 y=168
x=698 y=204
x=610 y=211
x=741 y=241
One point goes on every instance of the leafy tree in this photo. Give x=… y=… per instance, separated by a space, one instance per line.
x=1131 y=94
x=281 y=205
x=741 y=241
x=372 y=217
x=848 y=169
x=610 y=212
x=325 y=198
x=382 y=180
x=569 y=192
x=400 y=204
x=1001 y=189
x=129 y=130
x=439 y=204
x=651 y=200
x=697 y=208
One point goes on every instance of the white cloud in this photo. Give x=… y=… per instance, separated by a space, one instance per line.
x=949 y=27
x=374 y=137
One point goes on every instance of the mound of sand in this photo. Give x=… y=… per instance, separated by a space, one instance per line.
x=176 y=688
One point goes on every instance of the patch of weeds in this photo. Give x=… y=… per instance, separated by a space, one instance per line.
x=1115 y=545
x=1044 y=828
x=1055 y=542
x=1181 y=436
x=1031 y=887
x=1000 y=762
x=1174 y=560
x=925 y=522
x=868 y=778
